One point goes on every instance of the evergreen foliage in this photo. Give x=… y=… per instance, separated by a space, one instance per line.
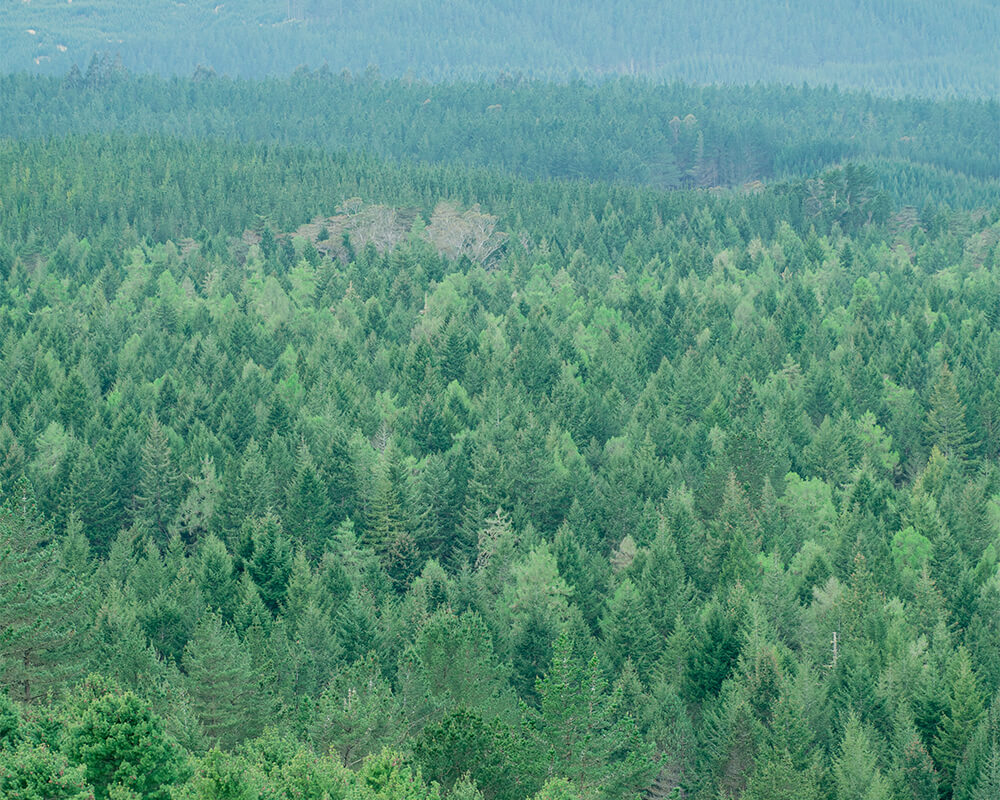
x=364 y=478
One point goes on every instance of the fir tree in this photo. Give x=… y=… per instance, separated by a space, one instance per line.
x=776 y=778
x=988 y=782
x=90 y=495
x=247 y=492
x=197 y=513
x=271 y=560
x=216 y=577
x=628 y=631
x=855 y=770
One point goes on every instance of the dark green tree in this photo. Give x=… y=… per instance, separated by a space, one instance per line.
x=627 y=631
x=37 y=772
x=158 y=494
x=121 y=743
x=961 y=715
x=946 y=423
x=224 y=689
x=41 y=627
x=587 y=740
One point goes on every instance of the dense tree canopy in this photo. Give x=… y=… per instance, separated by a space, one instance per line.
x=353 y=478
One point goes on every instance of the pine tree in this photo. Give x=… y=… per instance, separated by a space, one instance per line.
x=454 y=351
x=334 y=583
x=37 y=772
x=121 y=743
x=250 y=608
x=983 y=634
x=12 y=460
x=451 y=665
x=357 y=714
x=338 y=472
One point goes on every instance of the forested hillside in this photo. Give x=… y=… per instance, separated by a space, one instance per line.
x=890 y=47
x=625 y=130
x=329 y=476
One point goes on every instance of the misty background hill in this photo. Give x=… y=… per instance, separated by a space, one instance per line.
x=889 y=47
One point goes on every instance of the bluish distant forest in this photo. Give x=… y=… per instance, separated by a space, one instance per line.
x=898 y=47
x=499 y=401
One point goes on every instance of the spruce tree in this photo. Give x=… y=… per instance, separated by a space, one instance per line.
x=962 y=714
x=946 y=426
x=628 y=631
x=40 y=603
x=307 y=519
x=588 y=741
x=225 y=692
x=158 y=493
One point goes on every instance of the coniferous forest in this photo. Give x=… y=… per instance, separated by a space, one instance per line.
x=444 y=437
